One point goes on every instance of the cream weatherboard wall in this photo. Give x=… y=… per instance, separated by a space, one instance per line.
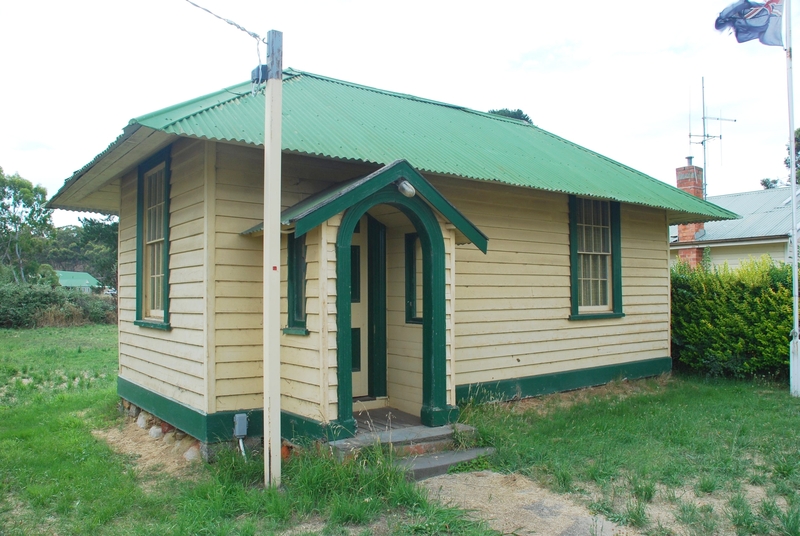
x=513 y=304
x=510 y=320
x=171 y=363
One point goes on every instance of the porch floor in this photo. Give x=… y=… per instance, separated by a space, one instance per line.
x=383 y=419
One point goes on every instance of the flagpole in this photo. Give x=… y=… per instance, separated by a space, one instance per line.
x=794 y=348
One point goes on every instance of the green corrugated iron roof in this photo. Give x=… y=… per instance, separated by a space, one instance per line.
x=336 y=119
x=76 y=279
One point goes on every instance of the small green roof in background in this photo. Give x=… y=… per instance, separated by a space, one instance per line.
x=77 y=279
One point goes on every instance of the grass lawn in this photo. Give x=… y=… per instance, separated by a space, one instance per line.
x=668 y=455
x=57 y=385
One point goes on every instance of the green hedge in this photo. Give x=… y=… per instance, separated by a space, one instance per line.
x=28 y=306
x=732 y=322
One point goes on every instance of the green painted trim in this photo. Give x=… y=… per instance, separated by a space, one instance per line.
x=410 y=269
x=355 y=274
x=434 y=395
x=161 y=156
x=439 y=416
x=216 y=427
x=295 y=331
x=375 y=182
x=598 y=316
x=574 y=260
x=376 y=305
x=153 y=325
x=560 y=381
x=355 y=337
x=616 y=258
x=295 y=279
x=616 y=263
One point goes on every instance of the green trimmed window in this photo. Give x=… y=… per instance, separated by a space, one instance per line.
x=595 y=258
x=296 y=288
x=413 y=275
x=152 y=246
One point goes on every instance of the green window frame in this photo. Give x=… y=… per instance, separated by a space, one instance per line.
x=413 y=269
x=152 y=242
x=296 y=285
x=595 y=259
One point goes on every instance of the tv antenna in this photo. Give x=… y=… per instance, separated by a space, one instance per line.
x=705 y=137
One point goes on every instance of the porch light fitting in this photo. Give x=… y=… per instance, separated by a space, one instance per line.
x=405 y=188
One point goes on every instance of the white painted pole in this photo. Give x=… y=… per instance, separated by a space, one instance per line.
x=272 y=259
x=794 y=347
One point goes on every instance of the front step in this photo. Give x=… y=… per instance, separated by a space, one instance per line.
x=421 y=451
x=430 y=465
x=409 y=441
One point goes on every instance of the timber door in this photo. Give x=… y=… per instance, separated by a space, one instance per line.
x=359 y=310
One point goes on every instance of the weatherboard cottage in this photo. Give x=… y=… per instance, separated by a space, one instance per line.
x=429 y=253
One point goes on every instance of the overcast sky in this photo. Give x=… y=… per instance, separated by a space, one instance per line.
x=623 y=81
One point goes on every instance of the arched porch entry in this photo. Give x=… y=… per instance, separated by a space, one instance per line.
x=435 y=410
x=353 y=199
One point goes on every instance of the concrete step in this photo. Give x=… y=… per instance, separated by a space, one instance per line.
x=409 y=441
x=430 y=465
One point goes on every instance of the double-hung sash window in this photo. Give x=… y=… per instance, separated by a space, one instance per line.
x=595 y=258
x=152 y=248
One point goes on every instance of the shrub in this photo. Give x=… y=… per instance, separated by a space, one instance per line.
x=28 y=306
x=732 y=322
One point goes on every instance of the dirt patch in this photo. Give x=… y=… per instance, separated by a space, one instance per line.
x=513 y=504
x=149 y=455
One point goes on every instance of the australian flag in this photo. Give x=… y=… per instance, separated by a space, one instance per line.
x=754 y=20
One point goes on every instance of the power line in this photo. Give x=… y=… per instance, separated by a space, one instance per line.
x=232 y=23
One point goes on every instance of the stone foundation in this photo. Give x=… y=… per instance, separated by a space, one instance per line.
x=192 y=449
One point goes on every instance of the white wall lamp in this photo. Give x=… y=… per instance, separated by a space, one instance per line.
x=405 y=188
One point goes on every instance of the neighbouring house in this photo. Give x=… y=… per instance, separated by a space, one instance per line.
x=430 y=253
x=82 y=281
x=765 y=226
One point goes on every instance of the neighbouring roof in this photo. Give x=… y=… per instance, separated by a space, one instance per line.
x=336 y=119
x=77 y=279
x=764 y=214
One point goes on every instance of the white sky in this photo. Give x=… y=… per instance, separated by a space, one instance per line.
x=622 y=79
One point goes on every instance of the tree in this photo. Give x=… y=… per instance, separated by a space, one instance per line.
x=98 y=240
x=24 y=224
x=514 y=114
x=769 y=184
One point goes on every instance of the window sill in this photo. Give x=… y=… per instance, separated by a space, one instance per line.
x=153 y=324
x=596 y=316
x=295 y=331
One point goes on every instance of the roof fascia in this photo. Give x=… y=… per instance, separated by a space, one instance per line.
x=775 y=239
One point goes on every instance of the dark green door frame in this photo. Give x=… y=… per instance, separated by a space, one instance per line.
x=376 y=307
x=435 y=411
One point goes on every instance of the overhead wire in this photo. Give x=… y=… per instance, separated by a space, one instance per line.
x=256 y=83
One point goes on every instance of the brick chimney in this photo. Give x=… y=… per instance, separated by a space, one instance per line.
x=690 y=180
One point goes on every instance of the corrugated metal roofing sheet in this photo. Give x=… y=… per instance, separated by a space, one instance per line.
x=765 y=213
x=76 y=279
x=332 y=118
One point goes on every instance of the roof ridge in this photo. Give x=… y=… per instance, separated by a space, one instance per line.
x=750 y=192
x=409 y=96
x=206 y=101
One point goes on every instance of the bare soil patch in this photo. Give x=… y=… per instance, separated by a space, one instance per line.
x=514 y=504
x=149 y=455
